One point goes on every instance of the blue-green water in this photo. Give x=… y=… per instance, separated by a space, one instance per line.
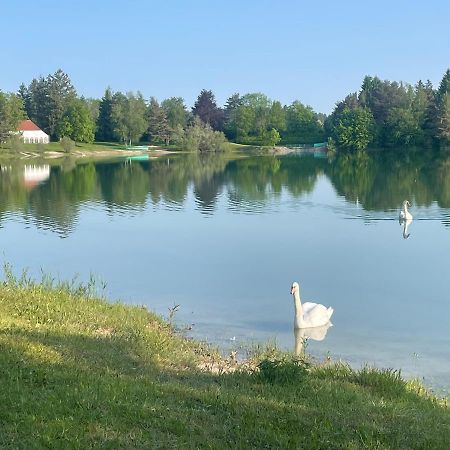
x=225 y=236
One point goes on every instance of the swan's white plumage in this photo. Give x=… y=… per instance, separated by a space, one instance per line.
x=309 y=315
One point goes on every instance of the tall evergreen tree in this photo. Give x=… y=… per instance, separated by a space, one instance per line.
x=105 y=129
x=61 y=93
x=158 y=125
x=443 y=109
x=444 y=86
x=430 y=118
x=37 y=103
x=443 y=127
x=231 y=106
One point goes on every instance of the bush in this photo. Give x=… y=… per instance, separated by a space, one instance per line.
x=200 y=137
x=67 y=144
x=283 y=371
x=15 y=143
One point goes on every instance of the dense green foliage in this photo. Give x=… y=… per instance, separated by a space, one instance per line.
x=78 y=372
x=77 y=122
x=158 y=124
x=200 y=136
x=390 y=114
x=128 y=116
x=11 y=112
x=382 y=114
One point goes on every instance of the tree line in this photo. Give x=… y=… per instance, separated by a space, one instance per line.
x=387 y=114
x=381 y=114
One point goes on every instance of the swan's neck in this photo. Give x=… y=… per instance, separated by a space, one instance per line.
x=298 y=308
x=405 y=208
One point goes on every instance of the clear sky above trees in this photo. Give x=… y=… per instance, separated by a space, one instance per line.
x=317 y=52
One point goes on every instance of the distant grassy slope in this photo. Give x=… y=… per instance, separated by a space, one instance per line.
x=83 y=373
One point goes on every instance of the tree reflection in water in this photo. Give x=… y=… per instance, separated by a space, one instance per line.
x=378 y=181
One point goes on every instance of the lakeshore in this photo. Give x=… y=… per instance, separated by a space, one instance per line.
x=109 y=375
x=81 y=151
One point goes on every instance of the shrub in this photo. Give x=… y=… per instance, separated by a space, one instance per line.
x=282 y=371
x=200 y=137
x=67 y=144
x=15 y=143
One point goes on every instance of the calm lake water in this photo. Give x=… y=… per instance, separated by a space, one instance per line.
x=224 y=236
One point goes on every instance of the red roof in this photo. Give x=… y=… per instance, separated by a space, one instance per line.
x=27 y=125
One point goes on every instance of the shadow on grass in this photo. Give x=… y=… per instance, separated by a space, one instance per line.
x=78 y=391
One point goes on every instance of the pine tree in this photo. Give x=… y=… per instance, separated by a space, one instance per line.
x=38 y=104
x=443 y=127
x=105 y=130
x=158 y=125
x=61 y=93
x=443 y=109
x=231 y=107
x=429 y=120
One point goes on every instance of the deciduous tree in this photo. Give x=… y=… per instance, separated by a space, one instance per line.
x=77 y=122
x=176 y=112
x=354 y=128
x=128 y=116
x=11 y=113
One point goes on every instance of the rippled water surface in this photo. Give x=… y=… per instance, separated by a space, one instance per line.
x=224 y=237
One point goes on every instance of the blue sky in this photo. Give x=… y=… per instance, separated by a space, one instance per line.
x=316 y=52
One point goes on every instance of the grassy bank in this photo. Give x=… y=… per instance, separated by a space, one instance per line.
x=79 y=150
x=78 y=372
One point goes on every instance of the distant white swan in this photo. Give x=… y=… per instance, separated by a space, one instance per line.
x=309 y=315
x=303 y=334
x=404 y=213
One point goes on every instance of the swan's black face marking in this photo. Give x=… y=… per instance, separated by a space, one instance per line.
x=294 y=287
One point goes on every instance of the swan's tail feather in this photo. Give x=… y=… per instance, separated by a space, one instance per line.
x=330 y=311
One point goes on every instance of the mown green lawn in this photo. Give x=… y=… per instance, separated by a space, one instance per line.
x=77 y=372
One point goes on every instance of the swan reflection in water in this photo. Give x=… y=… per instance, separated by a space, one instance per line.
x=405 y=218
x=303 y=334
x=405 y=224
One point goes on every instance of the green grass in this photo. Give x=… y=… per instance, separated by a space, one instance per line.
x=80 y=372
x=56 y=147
x=80 y=146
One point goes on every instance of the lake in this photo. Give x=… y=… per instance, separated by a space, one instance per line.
x=224 y=235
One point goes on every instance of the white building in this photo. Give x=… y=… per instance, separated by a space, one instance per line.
x=31 y=133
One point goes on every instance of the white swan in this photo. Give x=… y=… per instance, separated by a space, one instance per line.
x=404 y=213
x=303 y=334
x=309 y=314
